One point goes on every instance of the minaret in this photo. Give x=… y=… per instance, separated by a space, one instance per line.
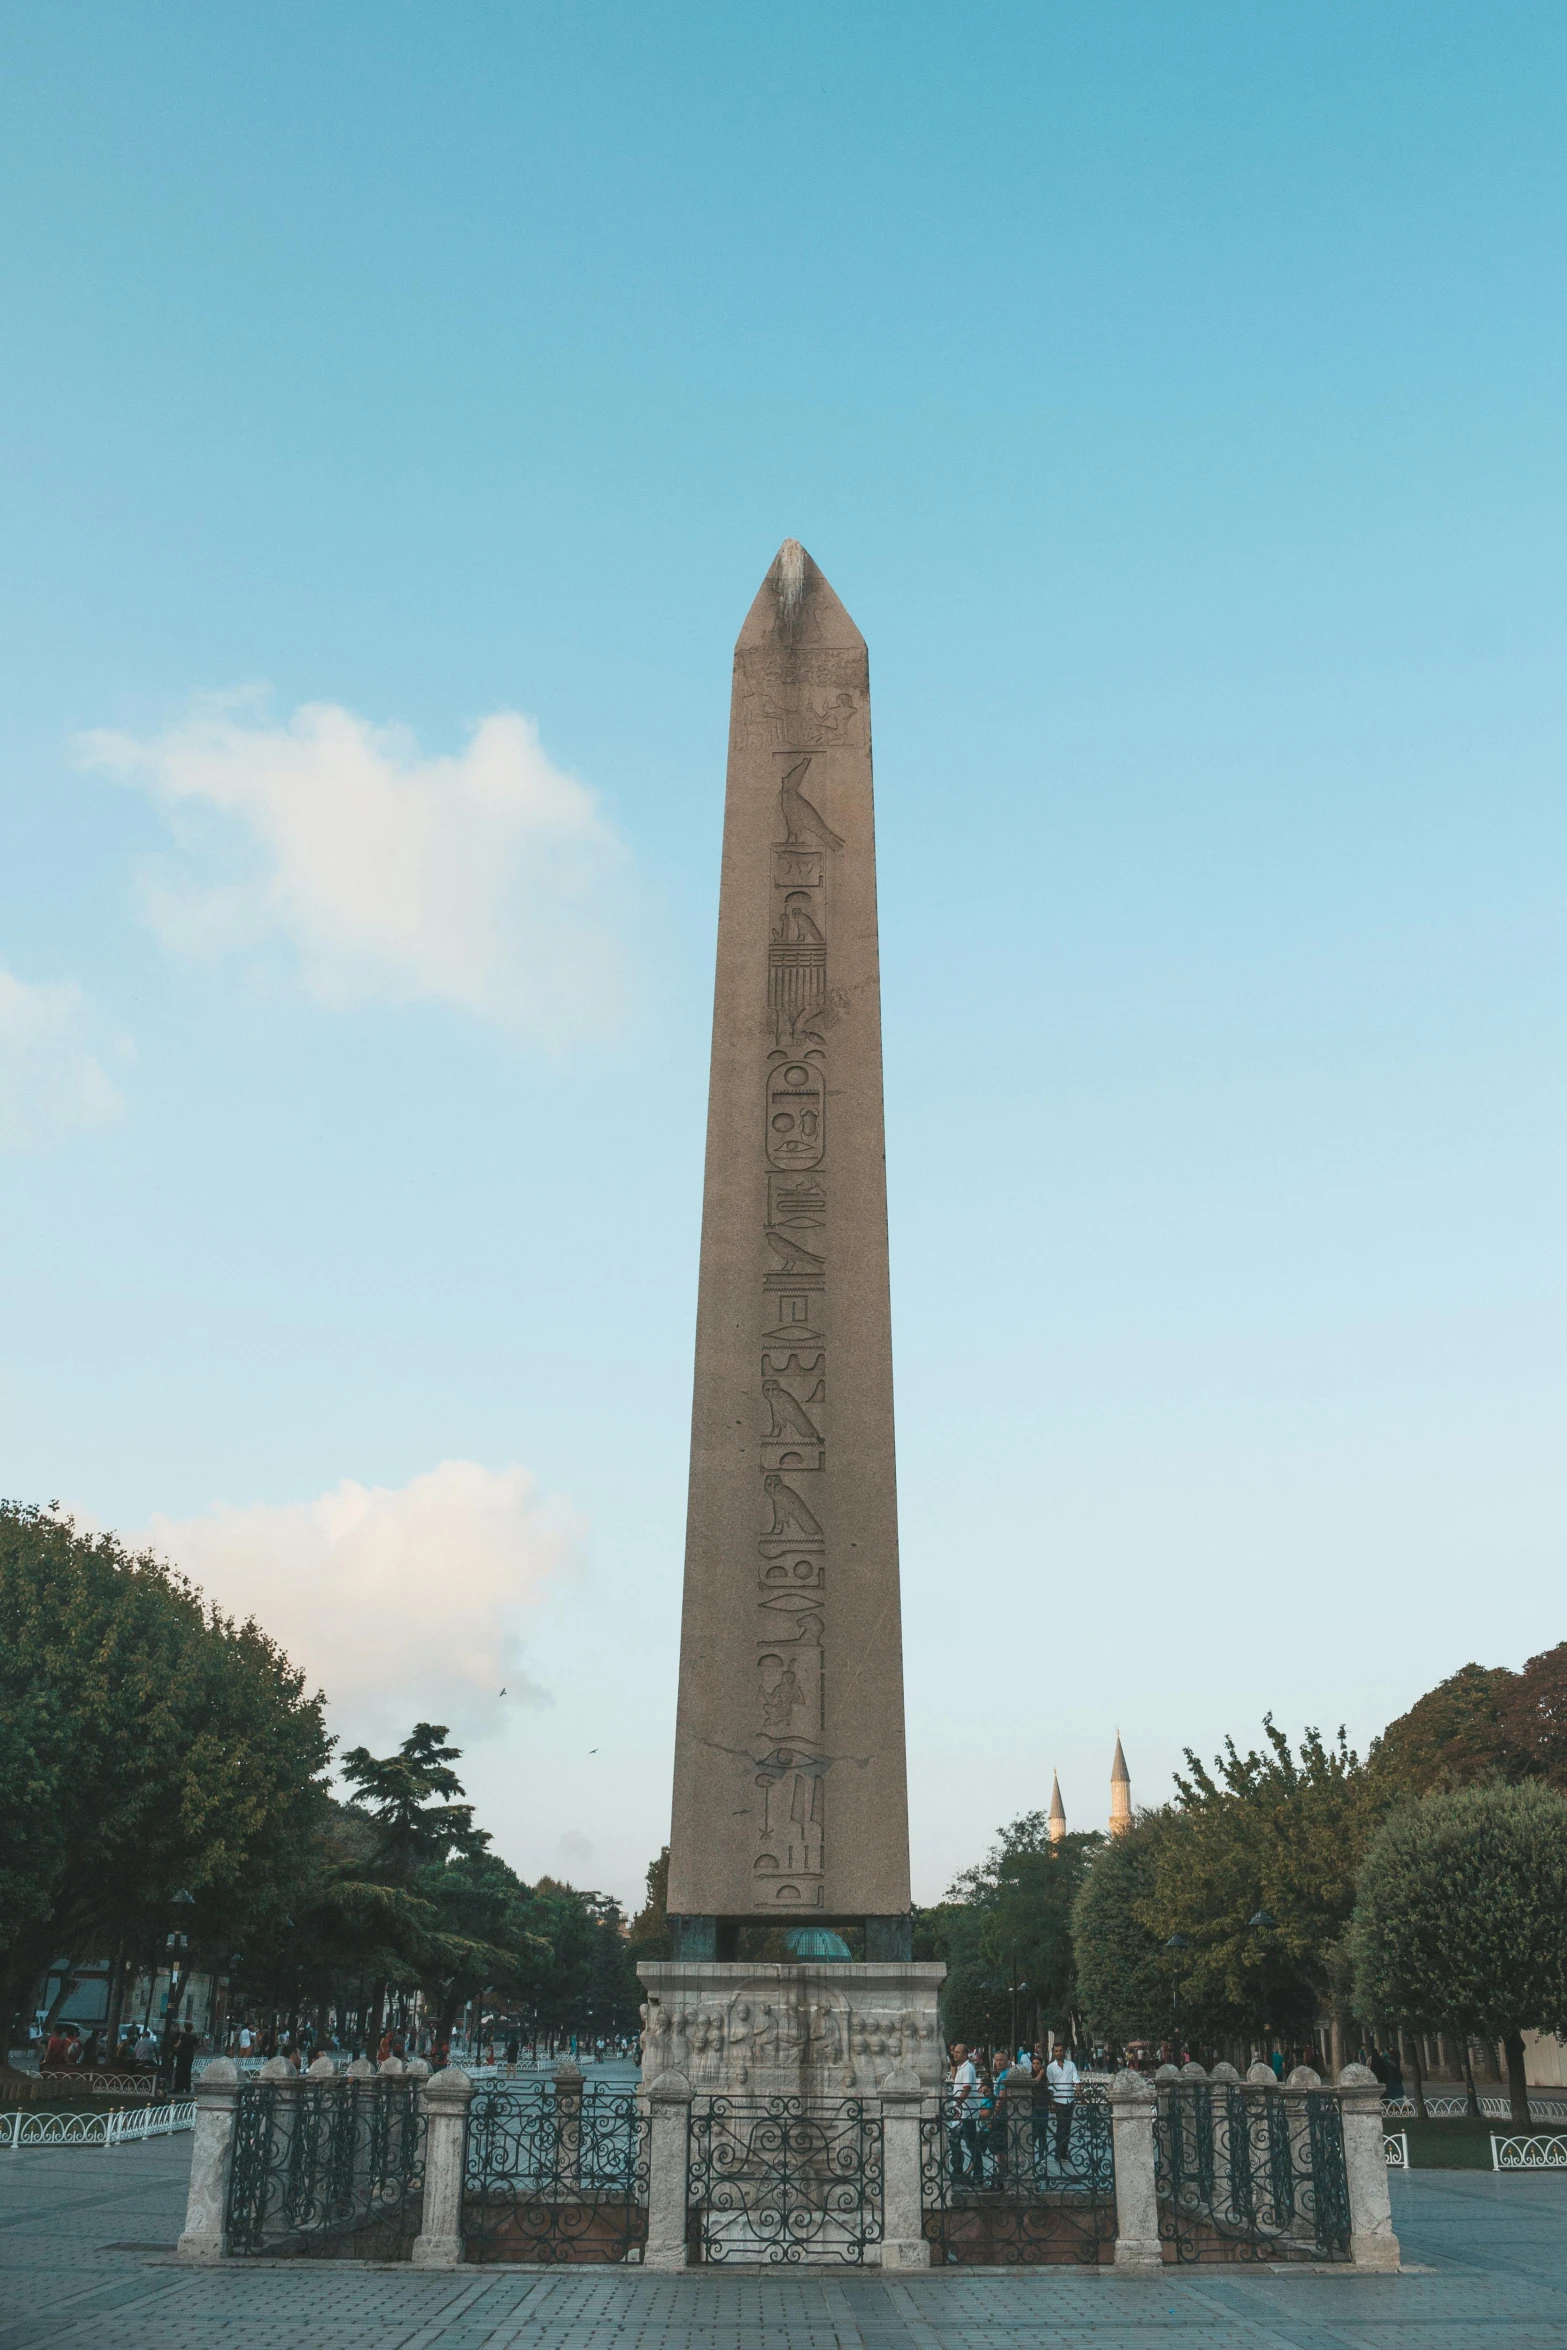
x=1120 y=1792
x=1057 y=1809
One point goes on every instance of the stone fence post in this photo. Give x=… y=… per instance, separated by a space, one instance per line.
x=669 y=2122
x=444 y=2097
x=903 y=2242
x=1133 y=2105
x=205 y=2235
x=1372 y=2243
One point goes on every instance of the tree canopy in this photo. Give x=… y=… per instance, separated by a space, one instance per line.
x=1126 y=1980
x=151 y=1746
x=1461 y=1923
x=1005 y=1931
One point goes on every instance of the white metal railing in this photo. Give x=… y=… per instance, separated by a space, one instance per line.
x=1444 y=2109
x=1528 y=2153
x=1395 y=2145
x=94 y=2083
x=35 y=2128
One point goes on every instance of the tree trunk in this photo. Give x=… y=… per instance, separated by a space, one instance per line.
x=68 y=1982
x=117 y=1979
x=1417 y=2076
x=1335 y=2045
x=1517 y=2085
x=1471 y=2100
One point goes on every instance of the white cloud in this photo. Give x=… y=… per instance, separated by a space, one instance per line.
x=487 y=880
x=52 y=1078
x=403 y=1602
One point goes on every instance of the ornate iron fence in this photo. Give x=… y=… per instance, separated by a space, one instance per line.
x=784 y=2179
x=552 y=2175
x=1247 y=2173
x=329 y=2168
x=1018 y=2185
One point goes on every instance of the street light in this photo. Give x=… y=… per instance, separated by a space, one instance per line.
x=1175 y=1945
x=177 y=1945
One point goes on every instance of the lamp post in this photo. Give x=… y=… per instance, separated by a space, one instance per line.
x=1262 y=1924
x=1175 y=1945
x=177 y=1947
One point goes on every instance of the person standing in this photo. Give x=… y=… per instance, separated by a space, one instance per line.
x=184 y=2055
x=963 y=2116
x=1061 y=2081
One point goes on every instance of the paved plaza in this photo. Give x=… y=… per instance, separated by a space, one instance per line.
x=85 y=2237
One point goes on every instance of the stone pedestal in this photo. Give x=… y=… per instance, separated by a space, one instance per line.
x=1372 y=2243
x=808 y=2028
x=669 y=2115
x=1133 y=2105
x=205 y=2235
x=445 y=2098
x=903 y=2242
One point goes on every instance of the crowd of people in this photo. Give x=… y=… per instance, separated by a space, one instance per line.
x=976 y=2108
x=138 y=2050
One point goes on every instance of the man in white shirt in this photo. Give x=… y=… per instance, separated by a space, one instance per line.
x=963 y=2115
x=1061 y=2081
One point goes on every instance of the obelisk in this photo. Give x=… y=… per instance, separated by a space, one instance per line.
x=790 y=1800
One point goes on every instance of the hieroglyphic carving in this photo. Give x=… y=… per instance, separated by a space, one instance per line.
x=803 y=823
x=796 y=1110
x=793 y=1526
x=817 y=702
x=791 y=1707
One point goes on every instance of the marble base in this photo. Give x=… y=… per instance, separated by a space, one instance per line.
x=808 y=2028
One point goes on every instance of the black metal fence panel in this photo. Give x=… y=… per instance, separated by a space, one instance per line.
x=1020 y=2183
x=784 y=2179
x=327 y=2169
x=555 y=2177
x=1250 y=2174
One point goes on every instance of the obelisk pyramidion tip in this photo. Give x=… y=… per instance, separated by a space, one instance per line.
x=790 y=568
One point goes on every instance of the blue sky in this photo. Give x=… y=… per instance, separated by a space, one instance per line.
x=1174 y=396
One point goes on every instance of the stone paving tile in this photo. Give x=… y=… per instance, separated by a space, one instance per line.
x=1494 y=2253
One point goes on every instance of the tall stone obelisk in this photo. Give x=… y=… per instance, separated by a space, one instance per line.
x=790 y=1800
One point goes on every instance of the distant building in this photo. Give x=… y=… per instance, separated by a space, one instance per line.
x=1120 y=1793
x=1057 y=1809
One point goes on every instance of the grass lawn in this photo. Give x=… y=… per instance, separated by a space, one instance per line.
x=1451 y=2145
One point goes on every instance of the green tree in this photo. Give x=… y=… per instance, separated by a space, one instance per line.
x=1005 y=1932
x=1126 y=1979
x=1456 y=1733
x=1461 y=1924
x=650 y=1936
x=478 y=1940
x=1534 y=1716
x=150 y=1745
x=1276 y=1834
x=409 y=1796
